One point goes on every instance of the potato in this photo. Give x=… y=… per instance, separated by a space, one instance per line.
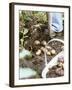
x=44 y=42
x=60 y=64
x=63 y=66
x=38 y=52
x=48 y=53
x=48 y=47
x=37 y=42
x=53 y=52
x=59 y=71
x=43 y=49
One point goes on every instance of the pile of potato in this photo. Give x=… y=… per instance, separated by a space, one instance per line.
x=58 y=69
x=44 y=48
